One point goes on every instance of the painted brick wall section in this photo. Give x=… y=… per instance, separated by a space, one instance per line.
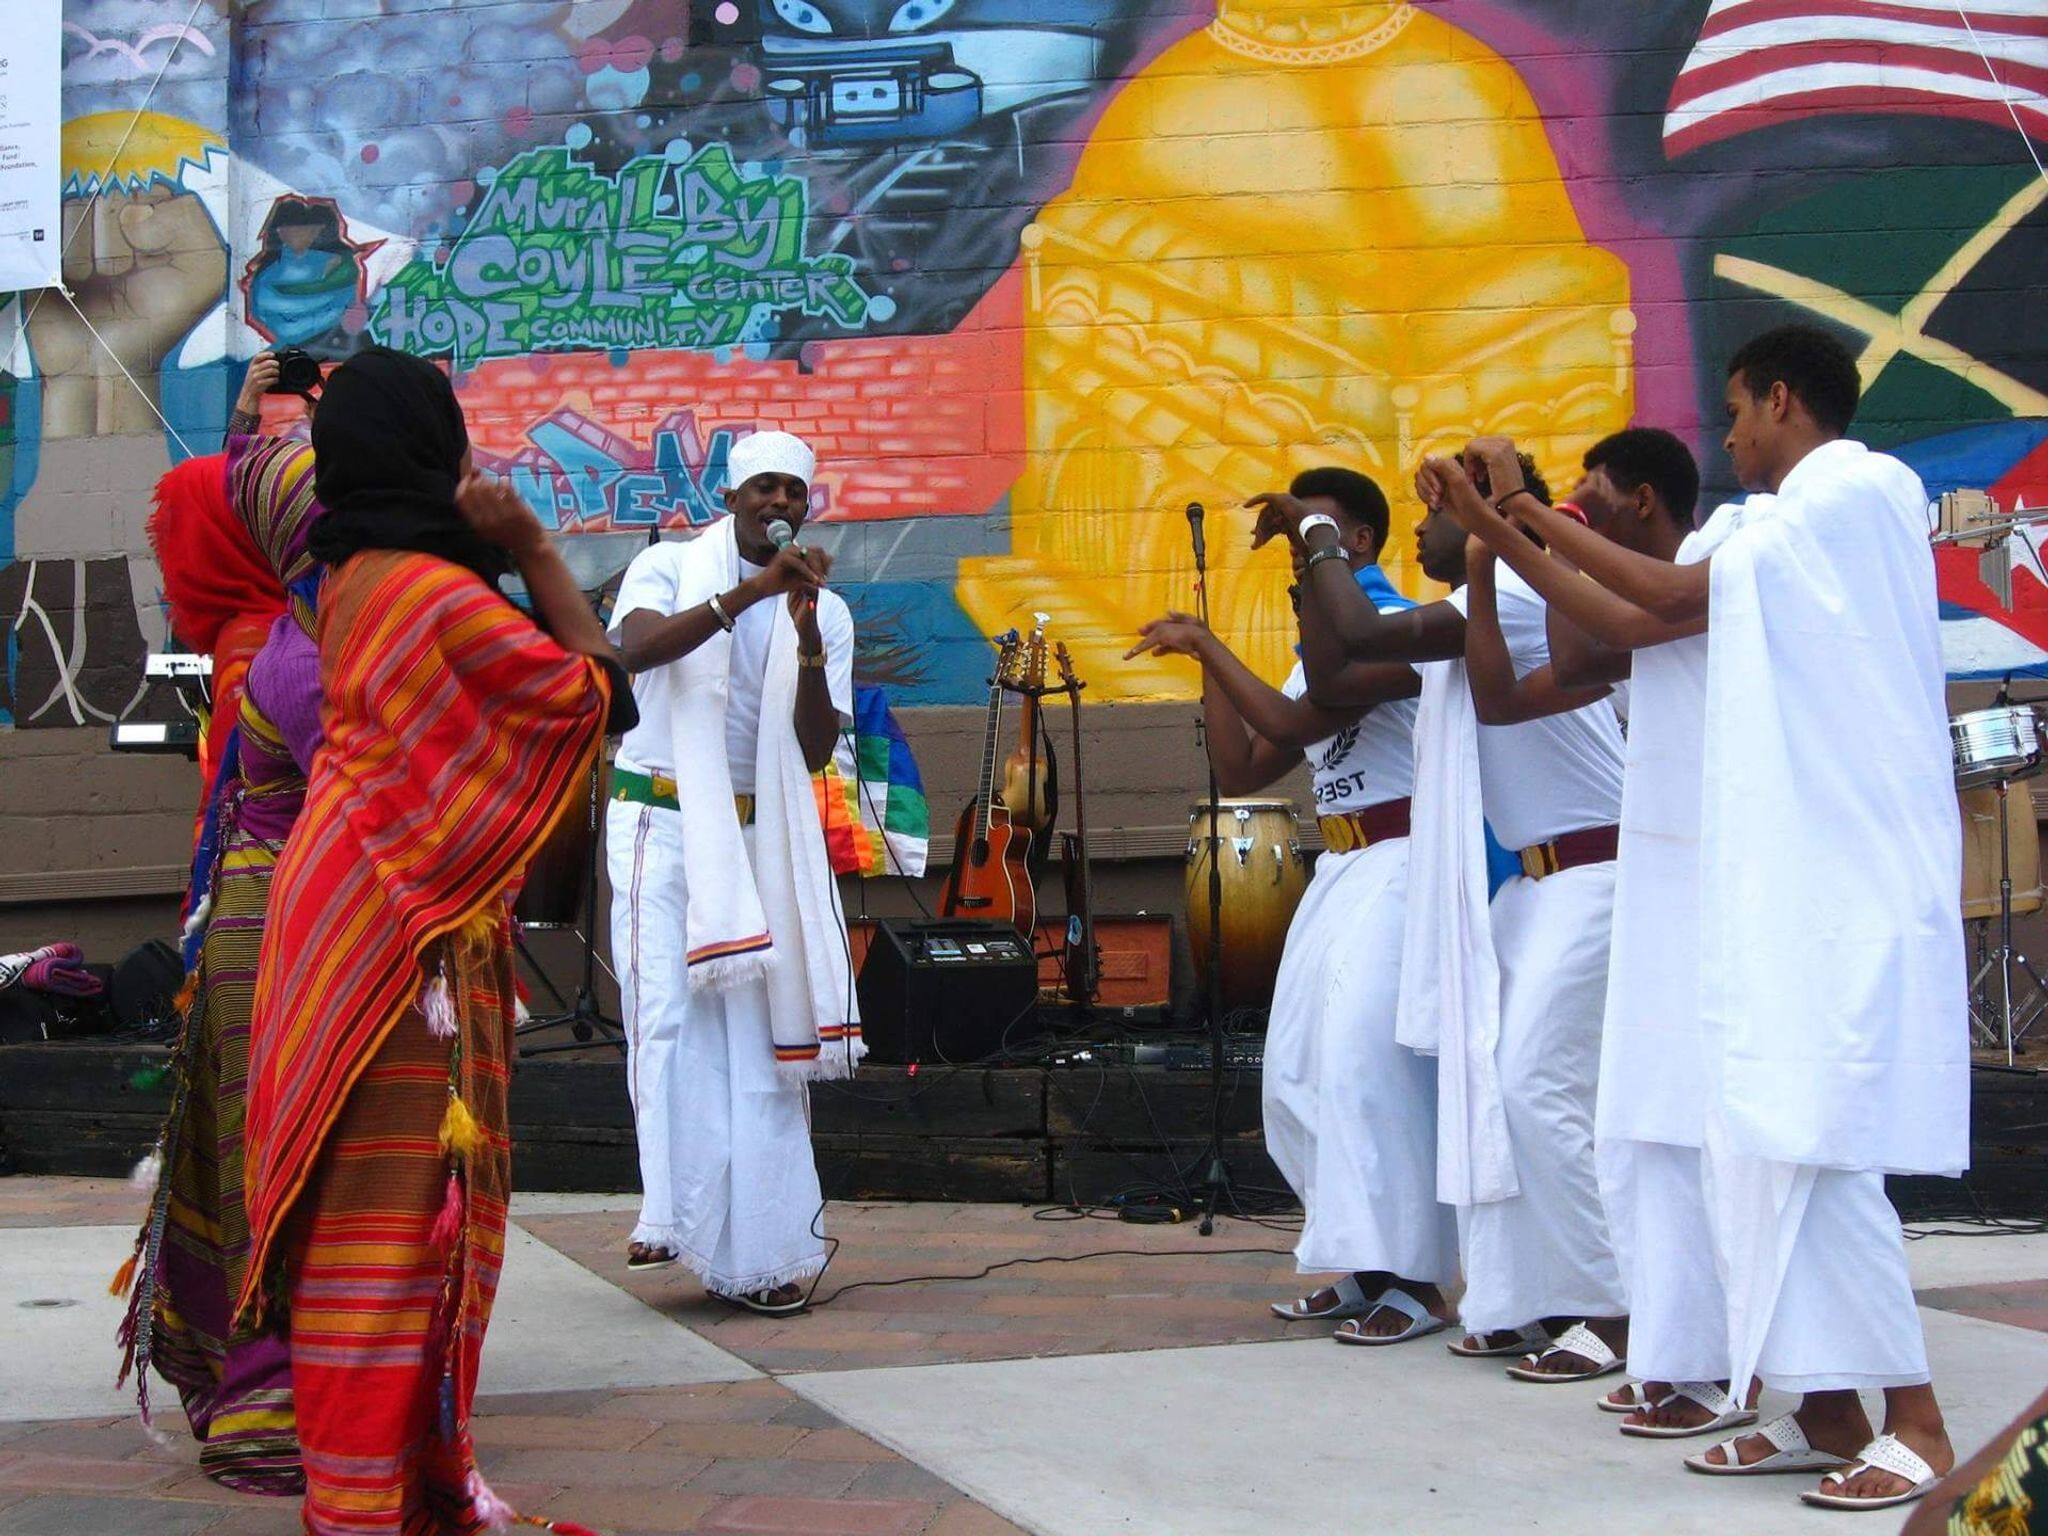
x=903 y=426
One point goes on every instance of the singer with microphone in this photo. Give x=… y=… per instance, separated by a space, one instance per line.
x=726 y=929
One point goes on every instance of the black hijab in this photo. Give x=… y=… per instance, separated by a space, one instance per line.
x=388 y=442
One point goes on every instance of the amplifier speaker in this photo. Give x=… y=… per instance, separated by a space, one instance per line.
x=947 y=990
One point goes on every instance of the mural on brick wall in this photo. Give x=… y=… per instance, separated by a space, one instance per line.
x=1032 y=274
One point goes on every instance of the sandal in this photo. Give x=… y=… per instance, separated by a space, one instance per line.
x=1576 y=1340
x=648 y=1256
x=1527 y=1336
x=1638 y=1400
x=1421 y=1321
x=1791 y=1451
x=1727 y=1413
x=1350 y=1302
x=762 y=1302
x=1887 y=1453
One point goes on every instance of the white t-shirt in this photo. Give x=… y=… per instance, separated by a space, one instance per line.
x=1364 y=764
x=1543 y=778
x=650 y=583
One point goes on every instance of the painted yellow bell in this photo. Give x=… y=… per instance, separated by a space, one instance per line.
x=1310 y=233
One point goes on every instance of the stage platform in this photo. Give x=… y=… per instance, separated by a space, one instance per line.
x=1076 y=1129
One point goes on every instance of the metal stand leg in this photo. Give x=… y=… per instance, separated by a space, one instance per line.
x=587 y=1021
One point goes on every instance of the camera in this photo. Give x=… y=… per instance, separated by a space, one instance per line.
x=298 y=372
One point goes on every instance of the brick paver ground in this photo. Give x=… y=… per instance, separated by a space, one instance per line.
x=1168 y=1287
x=2017 y=1304
x=745 y=1458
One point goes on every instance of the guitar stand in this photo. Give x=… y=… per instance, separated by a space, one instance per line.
x=1081 y=991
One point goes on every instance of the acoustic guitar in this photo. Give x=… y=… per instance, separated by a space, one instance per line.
x=991 y=876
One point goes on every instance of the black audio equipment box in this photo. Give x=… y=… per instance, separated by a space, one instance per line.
x=947 y=990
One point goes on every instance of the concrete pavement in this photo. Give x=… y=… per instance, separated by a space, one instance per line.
x=1134 y=1385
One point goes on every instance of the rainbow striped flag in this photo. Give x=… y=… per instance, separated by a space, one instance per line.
x=870 y=796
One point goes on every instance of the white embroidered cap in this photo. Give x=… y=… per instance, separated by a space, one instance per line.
x=770 y=453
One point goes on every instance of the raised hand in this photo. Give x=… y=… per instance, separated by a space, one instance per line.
x=256 y=383
x=1493 y=466
x=1174 y=634
x=497 y=515
x=1279 y=513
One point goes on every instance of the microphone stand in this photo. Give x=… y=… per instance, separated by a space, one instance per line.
x=1216 y=1181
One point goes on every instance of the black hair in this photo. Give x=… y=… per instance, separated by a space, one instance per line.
x=1640 y=456
x=1810 y=362
x=1533 y=477
x=1356 y=495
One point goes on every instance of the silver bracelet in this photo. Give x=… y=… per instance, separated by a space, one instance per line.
x=725 y=620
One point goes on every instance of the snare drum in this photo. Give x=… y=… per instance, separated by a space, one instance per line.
x=1264 y=873
x=1980 y=853
x=2006 y=741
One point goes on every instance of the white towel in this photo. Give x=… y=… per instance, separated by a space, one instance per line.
x=774 y=918
x=1450 y=982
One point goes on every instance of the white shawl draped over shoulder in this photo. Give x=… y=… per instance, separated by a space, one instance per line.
x=1832 y=963
x=772 y=919
x=1450 y=983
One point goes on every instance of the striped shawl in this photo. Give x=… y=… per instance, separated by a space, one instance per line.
x=456 y=732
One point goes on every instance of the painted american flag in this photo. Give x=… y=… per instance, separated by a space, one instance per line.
x=1759 y=63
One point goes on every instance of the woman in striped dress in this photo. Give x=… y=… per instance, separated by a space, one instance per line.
x=236 y=1383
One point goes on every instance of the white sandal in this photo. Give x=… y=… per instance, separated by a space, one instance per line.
x=1421 y=1321
x=1638 y=1400
x=1528 y=1336
x=1576 y=1340
x=1791 y=1451
x=1351 y=1302
x=1727 y=1413
x=1887 y=1453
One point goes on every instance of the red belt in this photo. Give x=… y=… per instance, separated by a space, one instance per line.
x=1588 y=845
x=1347 y=831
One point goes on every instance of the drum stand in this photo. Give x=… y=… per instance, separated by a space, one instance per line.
x=1992 y=1013
x=588 y=1022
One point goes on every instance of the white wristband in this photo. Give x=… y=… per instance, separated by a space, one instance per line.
x=1319 y=520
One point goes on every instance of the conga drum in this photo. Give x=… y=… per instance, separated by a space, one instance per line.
x=1980 y=852
x=1264 y=873
x=558 y=880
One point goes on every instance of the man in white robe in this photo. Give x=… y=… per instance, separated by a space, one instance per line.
x=1639 y=490
x=1350 y=1117
x=1516 y=999
x=726 y=935
x=1834 y=1043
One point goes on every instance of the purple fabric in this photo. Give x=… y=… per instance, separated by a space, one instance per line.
x=284 y=683
x=60 y=968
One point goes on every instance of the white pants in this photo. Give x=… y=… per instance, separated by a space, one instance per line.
x=727 y=1177
x=1350 y=1116
x=1657 y=1215
x=1545 y=1251
x=1819 y=1296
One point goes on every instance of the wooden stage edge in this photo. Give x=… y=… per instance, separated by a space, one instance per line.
x=1037 y=1135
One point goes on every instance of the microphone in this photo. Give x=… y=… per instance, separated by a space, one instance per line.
x=782 y=536
x=1195 y=515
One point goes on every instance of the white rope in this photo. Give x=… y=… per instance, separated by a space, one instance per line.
x=85 y=218
x=2005 y=94
x=65 y=294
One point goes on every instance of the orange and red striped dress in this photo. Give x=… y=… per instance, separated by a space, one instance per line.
x=378 y=1152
